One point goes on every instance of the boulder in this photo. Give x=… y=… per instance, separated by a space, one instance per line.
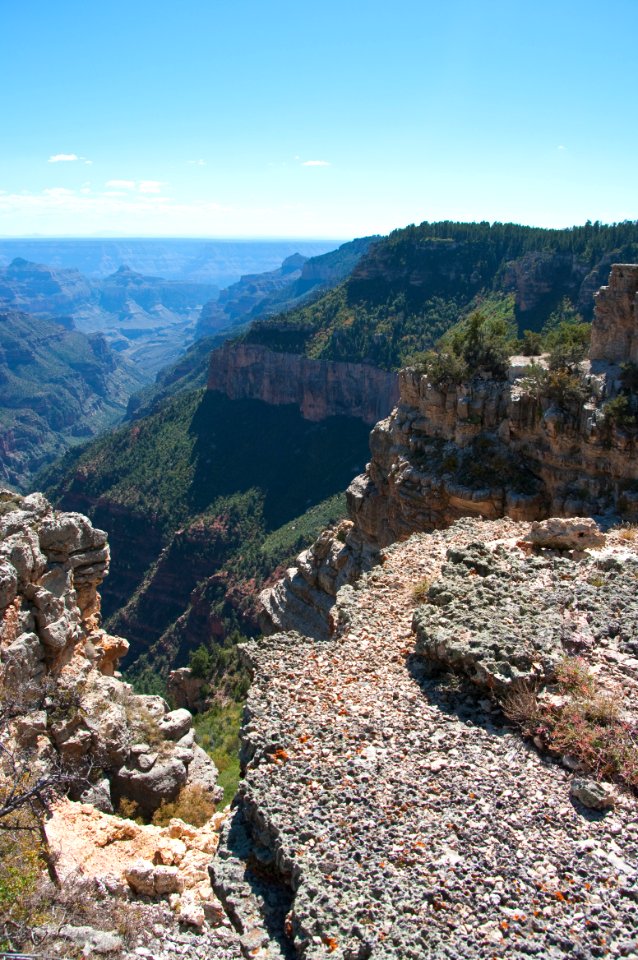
x=175 y=724
x=570 y=533
x=8 y=583
x=592 y=794
x=148 y=788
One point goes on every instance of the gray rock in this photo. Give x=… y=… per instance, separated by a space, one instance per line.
x=139 y=876
x=149 y=787
x=566 y=533
x=167 y=880
x=23 y=660
x=478 y=620
x=99 y=795
x=592 y=794
x=203 y=773
x=90 y=940
x=175 y=724
x=8 y=583
x=63 y=534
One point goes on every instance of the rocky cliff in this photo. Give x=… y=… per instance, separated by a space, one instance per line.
x=389 y=807
x=319 y=389
x=530 y=447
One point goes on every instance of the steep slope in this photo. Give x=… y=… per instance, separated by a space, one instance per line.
x=415 y=284
x=57 y=387
x=296 y=280
x=187 y=465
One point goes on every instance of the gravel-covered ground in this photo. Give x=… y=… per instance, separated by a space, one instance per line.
x=408 y=819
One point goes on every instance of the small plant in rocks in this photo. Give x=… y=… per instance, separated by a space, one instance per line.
x=420 y=590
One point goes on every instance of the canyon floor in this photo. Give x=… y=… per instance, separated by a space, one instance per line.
x=390 y=813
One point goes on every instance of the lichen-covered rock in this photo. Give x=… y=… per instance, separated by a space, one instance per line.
x=592 y=794
x=479 y=618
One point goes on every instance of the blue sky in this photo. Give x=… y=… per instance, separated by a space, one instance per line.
x=333 y=119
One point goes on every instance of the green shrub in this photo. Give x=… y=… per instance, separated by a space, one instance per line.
x=620 y=412
x=531 y=344
x=564 y=387
x=217 y=731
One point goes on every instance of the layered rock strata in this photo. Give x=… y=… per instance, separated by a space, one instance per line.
x=64 y=708
x=319 y=388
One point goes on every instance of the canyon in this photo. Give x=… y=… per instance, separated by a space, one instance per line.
x=389 y=807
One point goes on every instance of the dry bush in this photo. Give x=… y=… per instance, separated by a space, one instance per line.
x=193 y=805
x=129 y=810
x=420 y=590
x=143 y=725
x=584 y=722
x=521 y=706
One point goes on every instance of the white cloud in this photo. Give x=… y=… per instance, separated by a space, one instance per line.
x=315 y=163
x=196 y=163
x=150 y=186
x=120 y=184
x=63 y=157
x=59 y=193
x=561 y=147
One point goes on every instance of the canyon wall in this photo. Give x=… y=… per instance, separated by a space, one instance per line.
x=320 y=389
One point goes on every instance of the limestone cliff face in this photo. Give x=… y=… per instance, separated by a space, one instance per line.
x=486 y=448
x=615 y=332
x=63 y=706
x=319 y=388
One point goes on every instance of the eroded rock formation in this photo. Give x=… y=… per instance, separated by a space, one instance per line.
x=63 y=704
x=615 y=331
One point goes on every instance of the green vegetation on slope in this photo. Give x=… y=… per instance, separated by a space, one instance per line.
x=417 y=283
x=57 y=387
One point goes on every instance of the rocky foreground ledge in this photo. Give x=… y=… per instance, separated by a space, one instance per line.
x=70 y=726
x=389 y=811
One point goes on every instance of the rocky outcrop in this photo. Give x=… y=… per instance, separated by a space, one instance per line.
x=615 y=333
x=319 y=388
x=64 y=707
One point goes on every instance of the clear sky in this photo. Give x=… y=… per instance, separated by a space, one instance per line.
x=336 y=119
